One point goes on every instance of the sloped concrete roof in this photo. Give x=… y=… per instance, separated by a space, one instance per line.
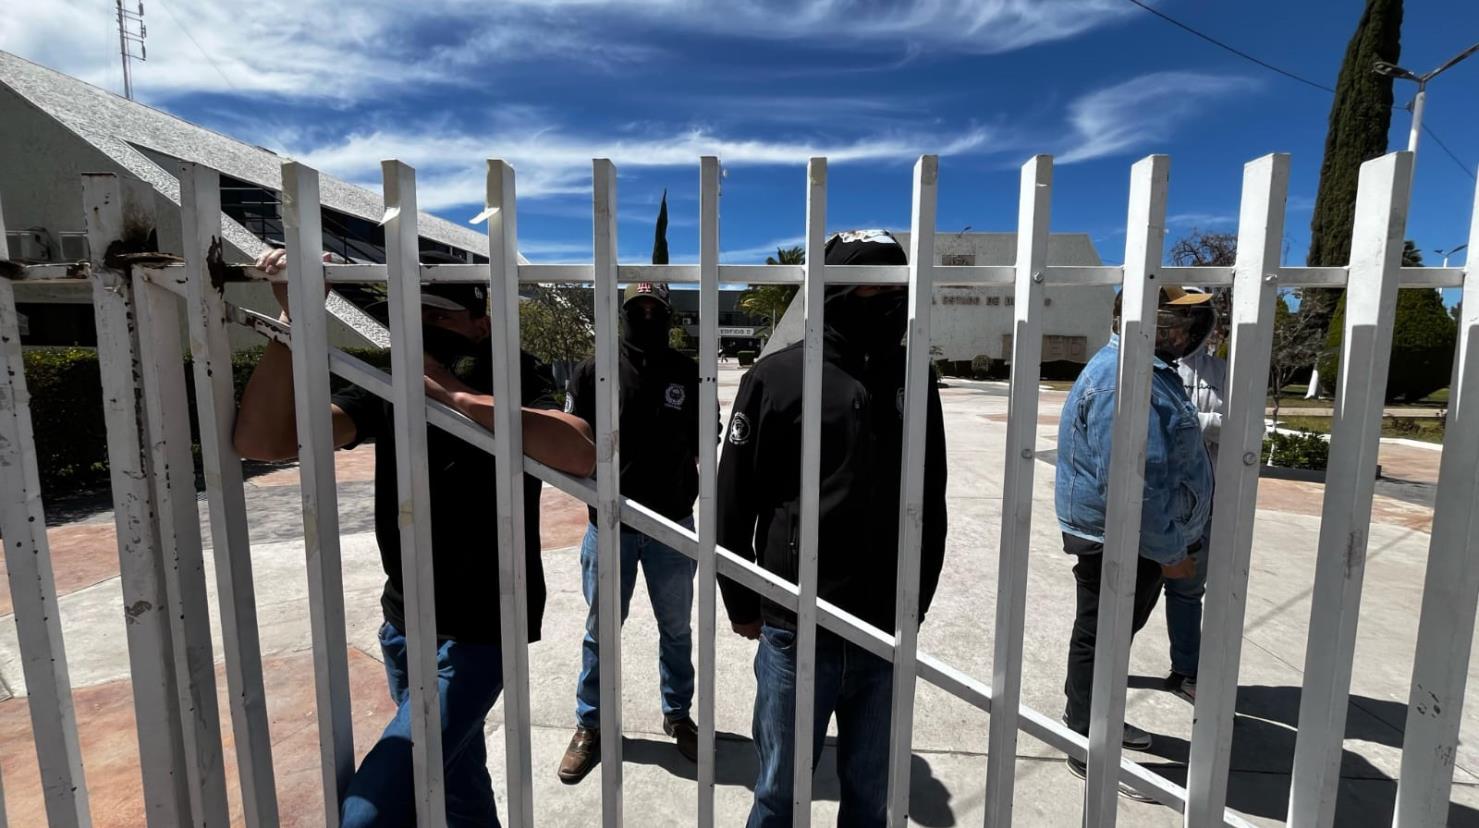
x=117 y=127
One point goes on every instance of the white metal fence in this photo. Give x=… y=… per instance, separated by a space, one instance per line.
x=138 y=302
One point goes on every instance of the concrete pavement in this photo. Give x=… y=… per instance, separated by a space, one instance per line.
x=950 y=736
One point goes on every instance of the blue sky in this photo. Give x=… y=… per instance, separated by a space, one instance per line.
x=443 y=84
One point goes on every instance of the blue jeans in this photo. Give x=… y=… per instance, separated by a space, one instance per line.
x=669 y=576
x=852 y=683
x=469 y=679
x=1184 y=613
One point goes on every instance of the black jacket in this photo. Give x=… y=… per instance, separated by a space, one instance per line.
x=759 y=482
x=658 y=425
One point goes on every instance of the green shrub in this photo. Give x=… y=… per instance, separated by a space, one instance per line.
x=1423 y=337
x=67 y=410
x=1305 y=450
x=981 y=367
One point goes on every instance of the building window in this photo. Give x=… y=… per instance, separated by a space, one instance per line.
x=993 y=300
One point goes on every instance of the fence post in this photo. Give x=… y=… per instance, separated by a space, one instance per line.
x=1255 y=290
x=508 y=439
x=408 y=388
x=302 y=228
x=1355 y=434
x=32 y=587
x=1144 y=236
x=915 y=414
x=1033 y=205
x=708 y=440
x=813 y=291
x=1445 y=632
x=215 y=404
x=146 y=610
x=608 y=468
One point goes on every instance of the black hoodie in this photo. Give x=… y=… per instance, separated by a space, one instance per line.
x=759 y=484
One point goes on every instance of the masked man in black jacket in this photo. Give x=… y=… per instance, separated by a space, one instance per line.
x=759 y=515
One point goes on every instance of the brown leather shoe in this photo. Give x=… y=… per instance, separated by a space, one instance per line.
x=582 y=756
x=686 y=732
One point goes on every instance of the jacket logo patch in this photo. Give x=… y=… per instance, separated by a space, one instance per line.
x=675 y=395
x=739 y=429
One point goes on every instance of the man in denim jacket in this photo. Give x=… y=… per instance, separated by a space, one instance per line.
x=1178 y=489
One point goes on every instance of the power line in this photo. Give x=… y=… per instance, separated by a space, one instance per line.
x=1240 y=53
x=198 y=48
x=1286 y=73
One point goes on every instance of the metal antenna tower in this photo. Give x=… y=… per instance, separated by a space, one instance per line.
x=131 y=30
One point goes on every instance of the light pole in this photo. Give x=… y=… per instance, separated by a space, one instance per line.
x=1395 y=71
x=1449 y=252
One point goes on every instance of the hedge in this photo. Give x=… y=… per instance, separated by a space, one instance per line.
x=1423 y=338
x=67 y=411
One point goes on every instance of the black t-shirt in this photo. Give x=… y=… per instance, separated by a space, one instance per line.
x=658 y=423
x=464 y=538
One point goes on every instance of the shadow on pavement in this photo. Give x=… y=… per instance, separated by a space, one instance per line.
x=1264 y=734
x=929 y=799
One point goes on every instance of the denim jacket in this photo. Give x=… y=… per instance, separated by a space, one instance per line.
x=1178 y=473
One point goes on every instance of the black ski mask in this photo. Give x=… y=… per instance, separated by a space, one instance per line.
x=874 y=323
x=644 y=328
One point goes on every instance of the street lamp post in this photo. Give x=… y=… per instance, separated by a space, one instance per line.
x=1395 y=71
x=1449 y=252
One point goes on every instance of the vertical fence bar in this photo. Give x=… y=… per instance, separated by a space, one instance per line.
x=708 y=448
x=302 y=229
x=813 y=290
x=1445 y=632
x=173 y=470
x=1255 y=290
x=146 y=608
x=1144 y=237
x=608 y=467
x=215 y=404
x=911 y=486
x=1033 y=204
x=1355 y=435
x=413 y=506
x=33 y=595
x=508 y=440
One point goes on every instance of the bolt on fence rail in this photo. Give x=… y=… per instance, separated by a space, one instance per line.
x=138 y=305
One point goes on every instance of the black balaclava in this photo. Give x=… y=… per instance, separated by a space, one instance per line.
x=875 y=323
x=646 y=332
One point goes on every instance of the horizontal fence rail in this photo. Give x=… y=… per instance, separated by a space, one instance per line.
x=138 y=302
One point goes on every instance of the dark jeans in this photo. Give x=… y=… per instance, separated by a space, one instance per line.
x=1080 y=683
x=469 y=679
x=852 y=683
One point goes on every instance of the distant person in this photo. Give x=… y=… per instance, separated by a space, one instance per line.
x=1177 y=496
x=1204 y=377
x=759 y=517
x=464 y=546
x=658 y=421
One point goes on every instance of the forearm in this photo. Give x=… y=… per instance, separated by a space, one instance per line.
x=266 y=420
x=558 y=440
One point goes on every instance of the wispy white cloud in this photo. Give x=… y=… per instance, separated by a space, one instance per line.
x=321 y=49
x=552 y=162
x=1140 y=111
x=1202 y=220
x=757 y=254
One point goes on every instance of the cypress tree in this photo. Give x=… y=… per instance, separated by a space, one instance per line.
x=1360 y=118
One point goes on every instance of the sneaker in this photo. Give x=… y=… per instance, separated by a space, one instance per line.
x=1134 y=738
x=1183 y=686
x=685 y=731
x=582 y=756
x=1081 y=770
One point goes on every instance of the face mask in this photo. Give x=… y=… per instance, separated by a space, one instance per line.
x=875 y=323
x=446 y=347
x=646 y=332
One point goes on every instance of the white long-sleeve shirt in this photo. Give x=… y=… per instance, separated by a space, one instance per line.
x=1205 y=378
